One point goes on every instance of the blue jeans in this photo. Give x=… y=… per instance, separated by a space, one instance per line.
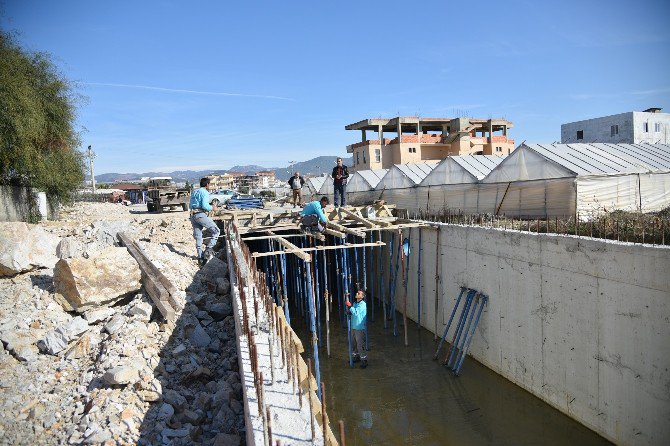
x=340 y=194
x=199 y=222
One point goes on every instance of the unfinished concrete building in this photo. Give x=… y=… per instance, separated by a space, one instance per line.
x=423 y=139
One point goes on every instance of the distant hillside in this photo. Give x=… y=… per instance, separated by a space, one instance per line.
x=252 y=168
x=315 y=166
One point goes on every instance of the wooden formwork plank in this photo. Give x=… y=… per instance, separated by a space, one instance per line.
x=320 y=248
x=290 y=247
x=346 y=230
x=359 y=218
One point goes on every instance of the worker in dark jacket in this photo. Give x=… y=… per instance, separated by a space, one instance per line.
x=296 y=182
x=358 y=312
x=340 y=175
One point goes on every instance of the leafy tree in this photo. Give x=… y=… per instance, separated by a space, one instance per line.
x=37 y=114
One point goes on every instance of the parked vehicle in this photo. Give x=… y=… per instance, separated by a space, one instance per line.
x=164 y=194
x=221 y=196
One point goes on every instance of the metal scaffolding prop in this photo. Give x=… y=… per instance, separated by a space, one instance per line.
x=307 y=278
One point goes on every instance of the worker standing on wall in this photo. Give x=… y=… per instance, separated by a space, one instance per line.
x=296 y=182
x=340 y=175
x=199 y=205
x=312 y=216
x=358 y=312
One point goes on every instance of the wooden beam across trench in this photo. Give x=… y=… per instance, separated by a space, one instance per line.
x=317 y=248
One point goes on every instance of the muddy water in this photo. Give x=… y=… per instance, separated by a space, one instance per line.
x=406 y=398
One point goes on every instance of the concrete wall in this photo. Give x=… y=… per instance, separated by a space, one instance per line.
x=583 y=324
x=14 y=203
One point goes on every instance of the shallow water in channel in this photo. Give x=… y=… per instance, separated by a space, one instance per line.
x=406 y=398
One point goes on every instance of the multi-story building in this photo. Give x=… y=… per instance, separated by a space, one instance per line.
x=218 y=182
x=649 y=126
x=422 y=139
x=265 y=179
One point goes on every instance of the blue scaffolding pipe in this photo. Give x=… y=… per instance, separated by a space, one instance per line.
x=391 y=247
x=451 y=318
x=312 y=324
x=345 y=299
x=282 y=264
x=473 y=310
x=315 y=258
x=395 y=286
x=459 y=365
x=459 y=327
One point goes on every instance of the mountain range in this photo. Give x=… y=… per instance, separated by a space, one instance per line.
x=315 y=166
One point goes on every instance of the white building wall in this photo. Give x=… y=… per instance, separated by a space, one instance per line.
x=653 y=120
x=583 y=324
x=631 y=129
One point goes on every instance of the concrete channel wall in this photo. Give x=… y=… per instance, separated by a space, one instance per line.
x=583 y=324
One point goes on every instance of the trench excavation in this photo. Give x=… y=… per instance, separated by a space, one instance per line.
x=405 y=396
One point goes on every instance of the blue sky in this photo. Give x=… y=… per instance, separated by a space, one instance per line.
x=211 y=84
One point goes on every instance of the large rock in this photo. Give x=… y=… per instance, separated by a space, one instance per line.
x=25 y=247
x=57 y=340
x=69 y=247
x=105 y=231
x=98 y=281
x=214 y=269
x=121 y=375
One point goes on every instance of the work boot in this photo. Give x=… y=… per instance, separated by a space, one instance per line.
x=202 y=260
x=356 y=359
x=364 y=363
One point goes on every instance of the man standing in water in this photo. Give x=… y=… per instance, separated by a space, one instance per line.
x=358 y=312
x=199 y=205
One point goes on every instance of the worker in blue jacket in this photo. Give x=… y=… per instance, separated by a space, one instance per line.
x=313 y=215
x=358 y=312
x=199 y=205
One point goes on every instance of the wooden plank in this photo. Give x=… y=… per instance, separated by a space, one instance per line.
x=346 y=230
x=334 y=233
x=150 y=269
x=290 y=247
x=359 y=218
x=319 y=248
x=158 y=296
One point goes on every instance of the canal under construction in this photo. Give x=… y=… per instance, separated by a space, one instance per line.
x=421 y=385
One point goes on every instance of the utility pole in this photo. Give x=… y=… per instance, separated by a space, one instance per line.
x=91 y=155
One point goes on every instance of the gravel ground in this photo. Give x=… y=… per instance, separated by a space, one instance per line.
x=126 y=377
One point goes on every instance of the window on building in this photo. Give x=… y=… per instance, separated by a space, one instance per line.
x=614 y=130
x=645 y=127
x=378 y=155
x=412 y=150
x=358 y=157
x=657 y=127
x=364 y=161
x=580 y=134
x=498 y=149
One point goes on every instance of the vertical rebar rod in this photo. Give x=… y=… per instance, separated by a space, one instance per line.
x=309 y=395
x=346 y=299
x=324 y=417
x=341 y=424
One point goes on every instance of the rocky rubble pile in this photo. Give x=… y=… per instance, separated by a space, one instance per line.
x=115 y=373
